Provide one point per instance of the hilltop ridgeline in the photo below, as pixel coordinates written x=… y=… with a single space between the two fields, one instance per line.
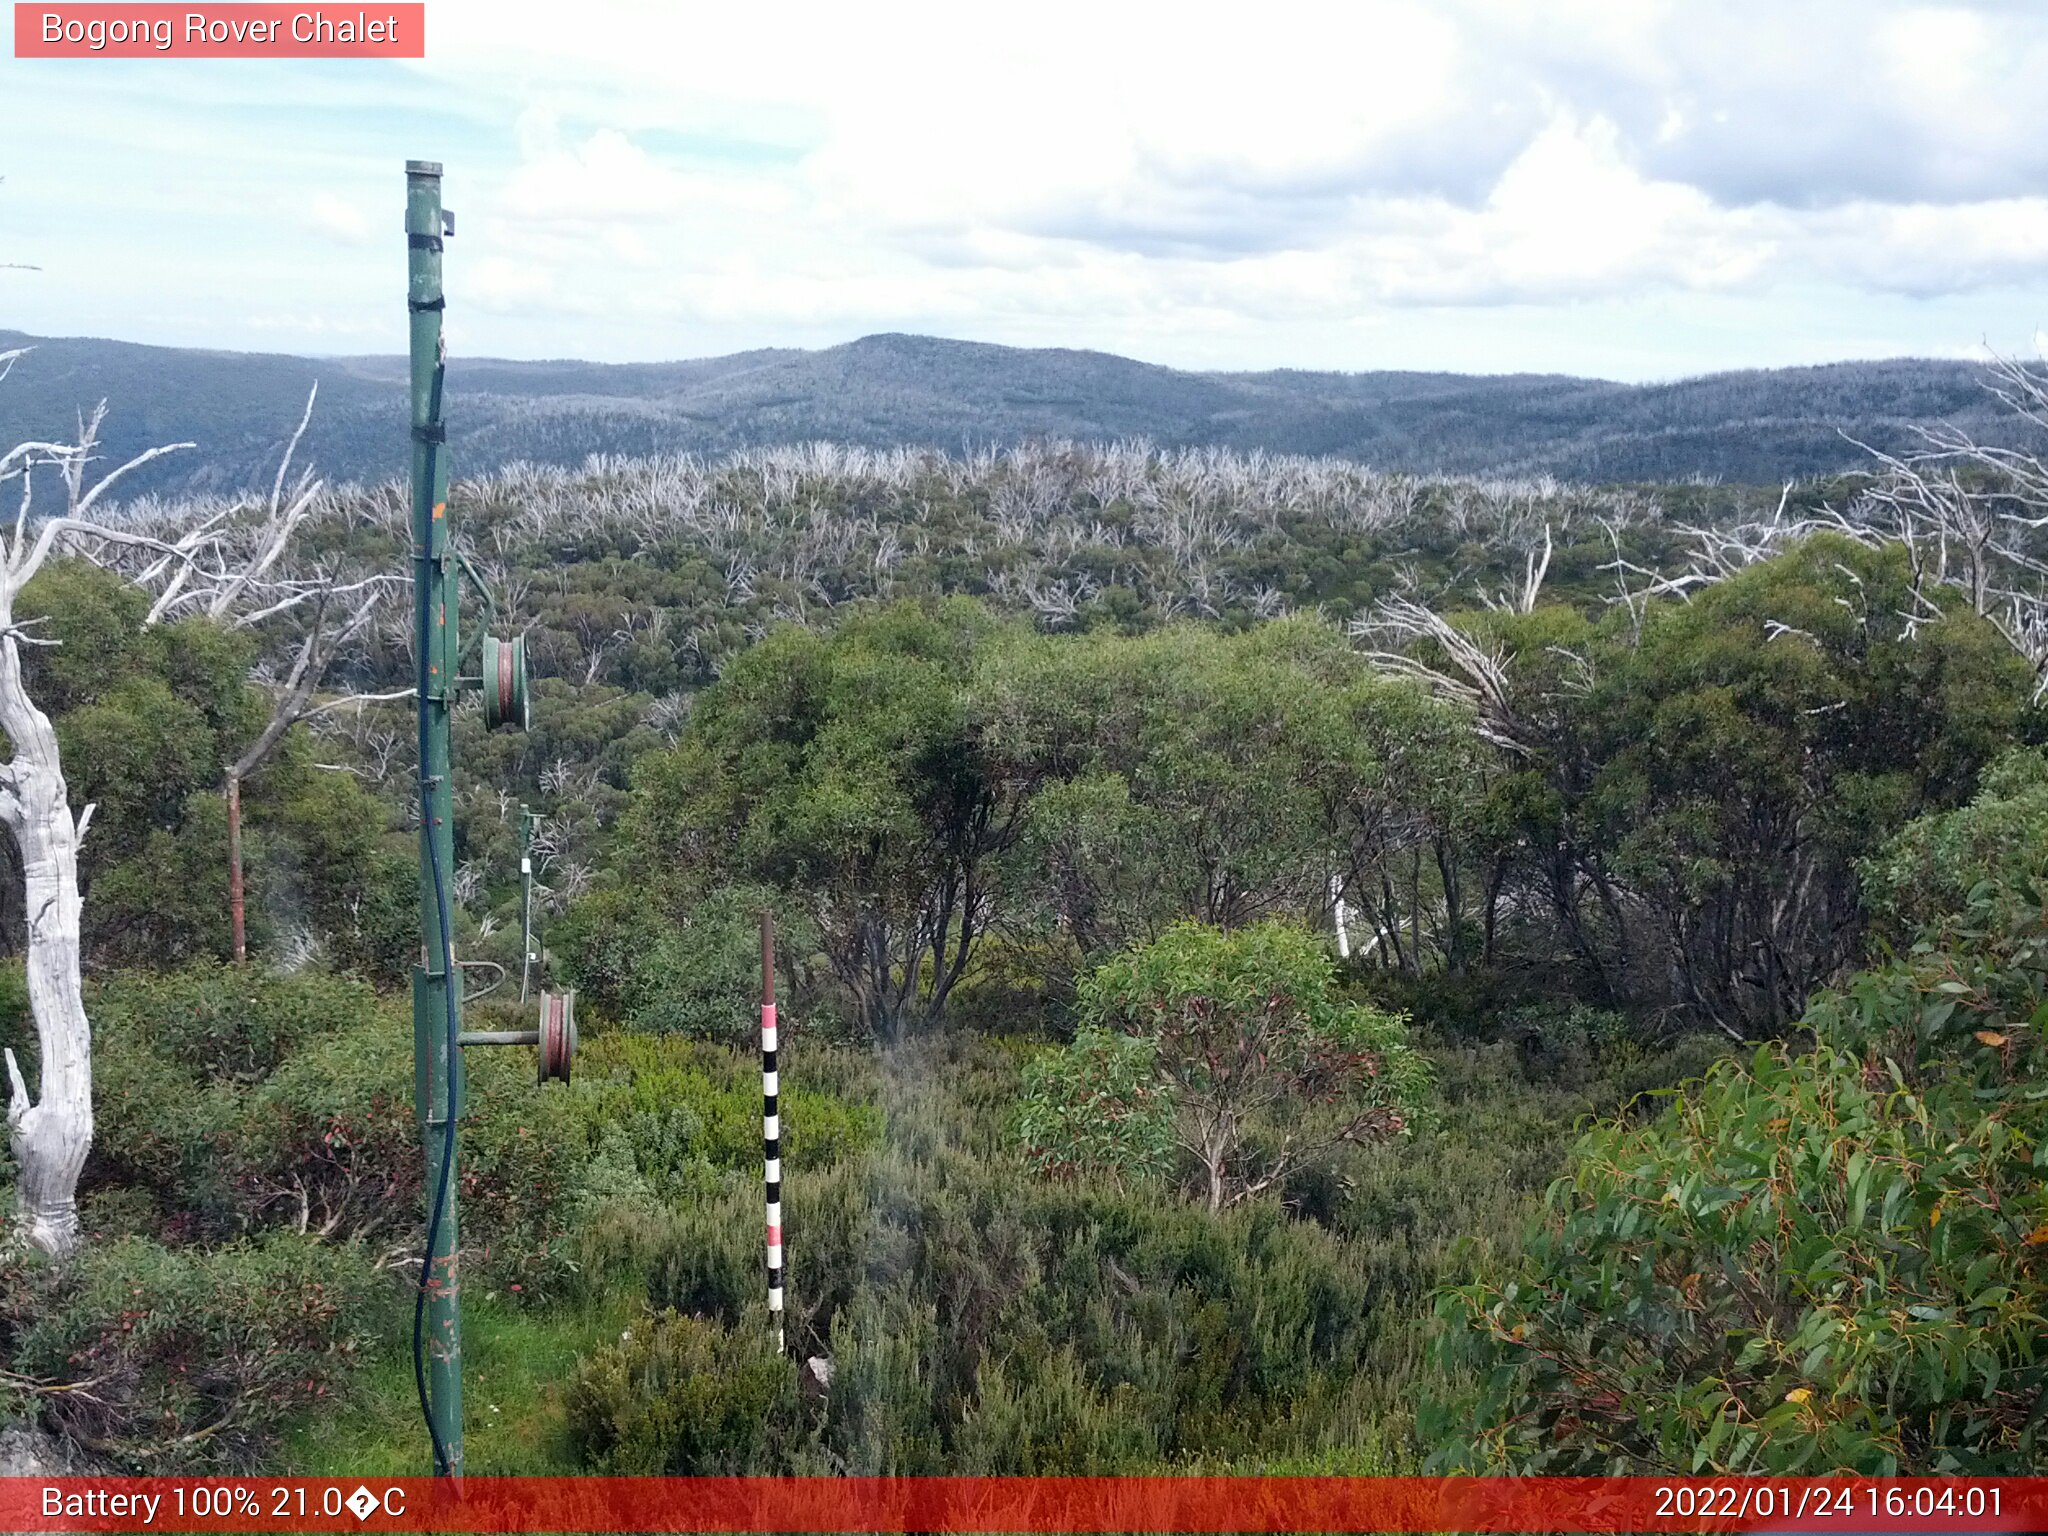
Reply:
x=1755 y=427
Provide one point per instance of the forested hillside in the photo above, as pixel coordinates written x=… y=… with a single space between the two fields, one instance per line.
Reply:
x=1284 y=966
x=890 y=391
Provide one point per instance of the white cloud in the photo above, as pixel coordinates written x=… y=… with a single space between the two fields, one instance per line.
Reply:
x=498 y=283
x=606 y=178
x=1928 y=249
x=337 y=219
x=1095 y=173
x=1571 y=218
x=1465 y=152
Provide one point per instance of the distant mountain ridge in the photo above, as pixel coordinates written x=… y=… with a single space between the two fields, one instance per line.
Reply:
x=1755 y=427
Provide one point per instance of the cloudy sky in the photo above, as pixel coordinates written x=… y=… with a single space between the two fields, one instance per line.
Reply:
x=1631 y=188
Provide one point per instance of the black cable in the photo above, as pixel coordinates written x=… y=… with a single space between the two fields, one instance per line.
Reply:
x=442 y=1464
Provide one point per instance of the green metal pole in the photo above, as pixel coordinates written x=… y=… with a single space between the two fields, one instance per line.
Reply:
x=436 y=990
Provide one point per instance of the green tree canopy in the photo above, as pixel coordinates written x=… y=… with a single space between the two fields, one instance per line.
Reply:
x=844 y=769
x=145 y=717
x=1702 y=776
x=1244 y=1049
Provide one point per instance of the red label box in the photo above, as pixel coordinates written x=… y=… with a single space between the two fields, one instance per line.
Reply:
x=373 y=30
x=1050 y=1506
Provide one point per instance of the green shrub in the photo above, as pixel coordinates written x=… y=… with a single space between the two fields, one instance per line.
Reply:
x=713 y=1262
x=17 y=1021
x=1818 y=1262
x=237 y=1102
x=601 y=940
x=117 y=1211
x=681 y=1103
x=1996 y=843
x=1052 y=1420
x=618 y=1228
x=523 y=1153
x=680 y=1396
x=375 y=931
x=672 y=1189
x=156 y=1128
x=696 y=972
x=176 y=1058
x=883 y=1418
x=222 y=1022
x=187 y=1359
x=981 y=1319
x=330 y=1142
x=1014 y=988
x=1564 y=1042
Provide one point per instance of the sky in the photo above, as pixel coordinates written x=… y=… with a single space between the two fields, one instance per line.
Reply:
x=1632 y=189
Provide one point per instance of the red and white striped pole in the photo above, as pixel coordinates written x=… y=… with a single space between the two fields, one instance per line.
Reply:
x=771 y=1125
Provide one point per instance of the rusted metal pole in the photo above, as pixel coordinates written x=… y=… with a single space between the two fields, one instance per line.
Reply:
x=771 y=1125
x=237 y=902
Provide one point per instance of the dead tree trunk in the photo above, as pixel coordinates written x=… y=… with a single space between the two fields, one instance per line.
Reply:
x=51 y=1130
x=50 y=1133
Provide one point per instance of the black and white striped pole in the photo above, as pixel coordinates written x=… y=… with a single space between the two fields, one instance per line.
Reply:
x=771 y=1126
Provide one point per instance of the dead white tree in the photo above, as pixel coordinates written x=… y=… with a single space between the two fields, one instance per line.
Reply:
x=255 y=591
x=207 y=564
x=1973 y=516
x=1428 y=648
x=51 y=1130
x=1522 y=599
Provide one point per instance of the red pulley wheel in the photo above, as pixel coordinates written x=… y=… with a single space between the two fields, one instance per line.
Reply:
x=504 y=682
x=557 y=1034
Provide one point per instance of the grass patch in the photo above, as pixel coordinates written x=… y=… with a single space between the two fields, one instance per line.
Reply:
x=516 y=1361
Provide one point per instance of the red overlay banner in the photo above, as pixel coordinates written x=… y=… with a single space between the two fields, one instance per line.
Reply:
x=1025 y=1504
x=377 y=30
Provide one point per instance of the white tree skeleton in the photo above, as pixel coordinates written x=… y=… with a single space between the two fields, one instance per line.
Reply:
x=50 y=1133
x=51 y=1130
